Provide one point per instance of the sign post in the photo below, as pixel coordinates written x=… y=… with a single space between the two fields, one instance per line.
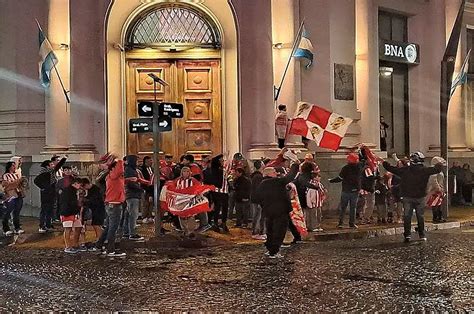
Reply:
x=156 y=158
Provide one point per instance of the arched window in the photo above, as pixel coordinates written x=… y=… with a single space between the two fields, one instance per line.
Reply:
x=173 y=26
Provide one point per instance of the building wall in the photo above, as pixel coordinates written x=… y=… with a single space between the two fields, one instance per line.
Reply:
x=22 y=102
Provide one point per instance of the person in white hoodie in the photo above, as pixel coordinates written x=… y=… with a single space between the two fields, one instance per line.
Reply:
x=436 y=192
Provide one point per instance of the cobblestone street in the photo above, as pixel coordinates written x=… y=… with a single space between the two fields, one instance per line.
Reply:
x=361 y=275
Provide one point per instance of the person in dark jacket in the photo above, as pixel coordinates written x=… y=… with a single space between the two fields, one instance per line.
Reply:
x=70 y=213
x=350 y=177
x=133 y=194
x=380 y=192
x=216 y=175
x=146 y=172
x=243 y=188
x=94 y=200
x=258 y=220
x=273 y=196
x=46 y=181
x=414 y=179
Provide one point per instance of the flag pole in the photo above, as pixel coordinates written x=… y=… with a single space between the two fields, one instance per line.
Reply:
x=56 y=69
x=62 y=85
x=295 y=44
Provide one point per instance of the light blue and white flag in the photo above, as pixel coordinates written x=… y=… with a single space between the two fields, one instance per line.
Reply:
x=461 y=78
x=305 y=48
x=48 y=58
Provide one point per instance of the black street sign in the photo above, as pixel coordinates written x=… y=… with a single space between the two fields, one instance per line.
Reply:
x=145 y=109
x=171 y=110
x=165 y=124
x=145 y=125
x=140 y=125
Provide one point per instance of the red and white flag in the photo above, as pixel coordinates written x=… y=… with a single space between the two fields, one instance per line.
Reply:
x=185 y=202
x=326 y=128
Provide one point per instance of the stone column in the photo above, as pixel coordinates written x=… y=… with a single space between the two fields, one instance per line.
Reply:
x=367 y=71
x=456 y=112
x=257 y=112
x=57 y=114
x=88 y=81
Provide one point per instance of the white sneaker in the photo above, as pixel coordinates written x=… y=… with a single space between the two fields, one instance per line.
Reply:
x=19 y=231
x=319 y=229
x=423 y=239
x=41 y=230
x=145 y=221
x=9 y=233
x=116 y=254
x=277 y=255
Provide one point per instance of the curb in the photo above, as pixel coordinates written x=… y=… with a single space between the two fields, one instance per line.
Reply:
x=365 y=234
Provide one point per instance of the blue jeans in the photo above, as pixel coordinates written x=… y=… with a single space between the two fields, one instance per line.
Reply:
x=417 y=204
x=348 y=198
x=112 y=222
x=133 y=207
x=13 y=208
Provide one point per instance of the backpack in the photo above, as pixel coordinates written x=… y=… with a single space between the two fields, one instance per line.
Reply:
x=43 y=180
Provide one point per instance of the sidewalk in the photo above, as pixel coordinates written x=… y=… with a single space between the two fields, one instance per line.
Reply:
x=459 y=217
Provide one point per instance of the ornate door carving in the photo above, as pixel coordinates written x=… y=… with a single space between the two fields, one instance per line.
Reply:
x=195 y=84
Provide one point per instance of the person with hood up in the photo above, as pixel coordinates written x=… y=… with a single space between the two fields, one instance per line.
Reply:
x=414 y=179
x=281 y=125
x=436 y=191
x=133 y=194
x=216 y=175
x=350 y=177
x=272 y=195
x=46 y=181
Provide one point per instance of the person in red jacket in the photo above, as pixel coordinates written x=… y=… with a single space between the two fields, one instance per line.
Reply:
x=114 y=199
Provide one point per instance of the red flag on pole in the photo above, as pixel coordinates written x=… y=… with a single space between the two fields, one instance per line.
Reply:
x=325 y=128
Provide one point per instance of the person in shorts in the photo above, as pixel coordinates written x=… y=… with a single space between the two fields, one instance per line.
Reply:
x=70 y=214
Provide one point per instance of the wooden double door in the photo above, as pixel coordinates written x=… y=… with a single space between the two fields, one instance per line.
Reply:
x=195 y=84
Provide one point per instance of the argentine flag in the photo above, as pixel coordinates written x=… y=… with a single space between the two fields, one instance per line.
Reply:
x=461 y=78
x=305 y=48
x=48 y=58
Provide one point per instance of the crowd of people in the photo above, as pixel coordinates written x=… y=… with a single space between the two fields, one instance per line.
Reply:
x=264 y=196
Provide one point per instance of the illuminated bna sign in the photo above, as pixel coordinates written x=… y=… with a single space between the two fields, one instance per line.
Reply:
x=399 y=52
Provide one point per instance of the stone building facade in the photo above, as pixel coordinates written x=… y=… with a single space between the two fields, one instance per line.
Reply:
x=222 y=63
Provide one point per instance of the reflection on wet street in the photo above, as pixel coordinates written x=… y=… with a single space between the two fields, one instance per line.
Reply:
x=362 y=275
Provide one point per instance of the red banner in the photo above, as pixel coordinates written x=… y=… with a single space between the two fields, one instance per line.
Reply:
x=185 y=202
x=296 y=214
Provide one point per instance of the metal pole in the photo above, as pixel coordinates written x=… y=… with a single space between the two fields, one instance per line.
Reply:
x=443 y=111
x=156 y=161
x=295 y=44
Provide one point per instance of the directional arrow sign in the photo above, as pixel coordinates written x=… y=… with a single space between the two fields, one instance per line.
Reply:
x=164 y=124
x=145 y=109
x=172 y=110
x=145 y=125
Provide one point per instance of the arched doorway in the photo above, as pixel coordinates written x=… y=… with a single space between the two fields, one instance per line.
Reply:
x=123 y=18
x=188 y=58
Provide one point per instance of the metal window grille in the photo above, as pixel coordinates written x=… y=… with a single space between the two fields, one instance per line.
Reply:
x=173 y=25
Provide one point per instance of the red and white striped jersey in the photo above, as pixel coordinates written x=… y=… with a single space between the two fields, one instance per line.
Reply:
x=225 y=181
x=185 y=183
x=10 y=177
x=315 y=198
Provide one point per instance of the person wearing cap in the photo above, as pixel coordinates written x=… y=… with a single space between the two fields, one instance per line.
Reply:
x=414 y=179
x=350 y=176
x=114 y=199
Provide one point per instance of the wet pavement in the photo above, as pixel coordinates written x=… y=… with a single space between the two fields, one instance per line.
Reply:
x=379 y=274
